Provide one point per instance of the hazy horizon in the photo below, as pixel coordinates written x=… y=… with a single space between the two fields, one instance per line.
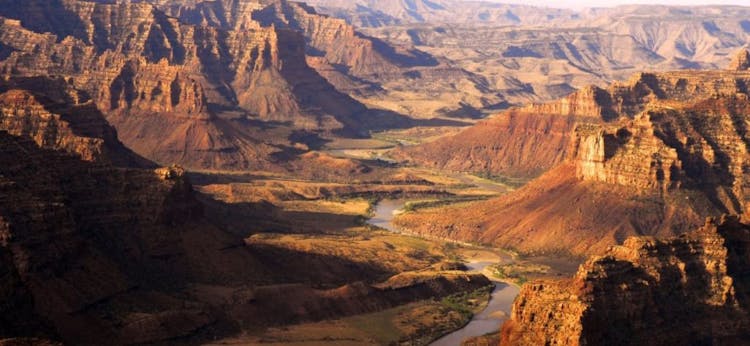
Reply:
x=580 y=4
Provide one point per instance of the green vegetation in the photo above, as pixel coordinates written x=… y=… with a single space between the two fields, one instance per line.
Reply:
x=467 y=303
x=379 y=324
x=394 y=138
x=518 y=272
x=513 y=183
x=373 y=203
x=433 y=203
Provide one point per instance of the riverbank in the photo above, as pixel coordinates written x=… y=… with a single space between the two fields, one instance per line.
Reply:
x=477 y=260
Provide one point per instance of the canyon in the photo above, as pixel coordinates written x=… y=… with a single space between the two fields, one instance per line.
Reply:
x=670 y=146
x=178 y=172
x=537 y=54
x=217 y=76
x=94 y=235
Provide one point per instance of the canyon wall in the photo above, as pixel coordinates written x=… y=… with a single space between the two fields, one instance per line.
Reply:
x=687 y=290
x=529 y=140
x=530 y=54
x=179 y=92
x=654 y=155
x=90 y=249
x=98 y=246
x=378 y=13
x=393 y=77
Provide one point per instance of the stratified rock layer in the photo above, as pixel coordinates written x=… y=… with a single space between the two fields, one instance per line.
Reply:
x=689 y=290
x=179 y=92
x=741 y=61
x=90 y=251
x=530 y=140
x=97 y=246
x=654 y=155
x=395 y=77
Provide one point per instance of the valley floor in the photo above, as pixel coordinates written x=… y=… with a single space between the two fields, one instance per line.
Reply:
x=340 y=233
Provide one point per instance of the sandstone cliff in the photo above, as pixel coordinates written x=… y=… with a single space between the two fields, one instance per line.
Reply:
x=376 y=13
x=528 y=141
x=90 y=250
x=58 y=117
x=537 y=54
x=651 y=156
x=741 y=61
x=393 y=77
x=98 y=247
x=179 y=92
x=687 y=290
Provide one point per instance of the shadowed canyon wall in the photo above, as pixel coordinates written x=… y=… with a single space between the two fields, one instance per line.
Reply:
x=687 y=290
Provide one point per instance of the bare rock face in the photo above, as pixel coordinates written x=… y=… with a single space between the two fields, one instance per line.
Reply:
x=99 y=247
x=654 y=156
x=530 y=140
x=685 y=290
x=58 y=117
x=673 y=145
x=365 y=13
x=364 y=67
x=628 y=156
x=741 y=61
x=179 y=91
x=92 y=250
x=515 y=143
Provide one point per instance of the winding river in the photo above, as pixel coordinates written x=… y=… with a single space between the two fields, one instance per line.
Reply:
x=501 y=300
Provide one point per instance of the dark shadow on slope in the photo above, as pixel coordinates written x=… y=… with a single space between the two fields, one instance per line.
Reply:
x=45 y=16
x=81 y=115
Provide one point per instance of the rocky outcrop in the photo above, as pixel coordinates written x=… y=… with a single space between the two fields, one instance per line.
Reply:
x=669 y=148
x=337 y=41
x=513 y=143
x=368 y=13
x=296 y=303
x=61 y=118
x=672 y=148
x=685 y=290
x=741 y=61
x=629 y=156
x=538 y=54
x=176 y=91
x=99 y=247
x=530 y=140
x=367 y=68
x=559 y=214
x=92 y=252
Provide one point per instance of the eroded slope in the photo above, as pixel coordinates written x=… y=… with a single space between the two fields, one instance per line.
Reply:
x=662 y=152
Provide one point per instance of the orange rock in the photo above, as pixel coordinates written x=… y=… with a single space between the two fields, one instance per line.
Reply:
x=674 y=291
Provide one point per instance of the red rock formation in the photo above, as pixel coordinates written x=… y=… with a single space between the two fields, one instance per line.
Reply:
x=515 y=143
x=90 y=249
x=664 y=152
x=296 y=303
x=178 y=92
x=361 y=66
x=94 y=251
x=559 y=214
x=741 y=61
x=61 y=118
x=530 y=140
x=686 y=290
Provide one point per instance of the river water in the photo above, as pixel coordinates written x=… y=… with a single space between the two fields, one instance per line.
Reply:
x=501 y=300
x=490 y=319
x=385 y=211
